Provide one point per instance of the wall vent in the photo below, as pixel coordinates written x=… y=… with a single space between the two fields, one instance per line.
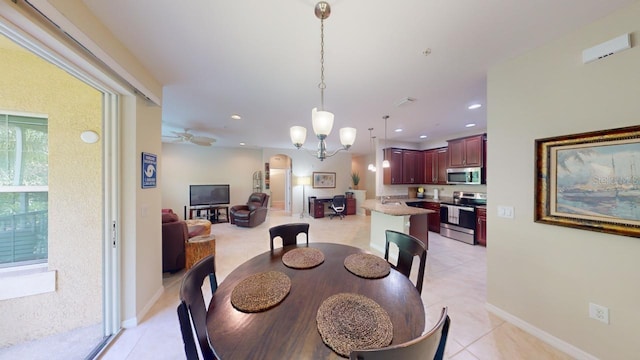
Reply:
x=607 y=48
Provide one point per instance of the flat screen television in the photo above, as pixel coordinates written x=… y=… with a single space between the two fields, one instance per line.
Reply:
x=200 y=195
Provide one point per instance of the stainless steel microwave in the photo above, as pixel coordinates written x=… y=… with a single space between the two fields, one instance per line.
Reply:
x=469 y=176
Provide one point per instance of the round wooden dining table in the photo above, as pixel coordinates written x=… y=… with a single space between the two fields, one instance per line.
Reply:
x=289 y=330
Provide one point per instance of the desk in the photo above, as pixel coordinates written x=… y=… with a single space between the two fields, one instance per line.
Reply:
x=317 y=206
x=289 y=330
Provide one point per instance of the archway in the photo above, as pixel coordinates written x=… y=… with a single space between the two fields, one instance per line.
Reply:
x=280 y=182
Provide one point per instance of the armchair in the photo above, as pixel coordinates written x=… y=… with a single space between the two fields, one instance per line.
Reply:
x=253 y=213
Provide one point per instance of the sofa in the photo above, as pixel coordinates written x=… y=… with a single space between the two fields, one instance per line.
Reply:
x=253 y=213
x=174 y=236
x=175 y=233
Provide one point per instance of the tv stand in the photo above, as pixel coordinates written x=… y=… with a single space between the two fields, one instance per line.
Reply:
x=214 y=213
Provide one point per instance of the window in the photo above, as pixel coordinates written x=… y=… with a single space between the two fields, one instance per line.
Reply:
x=24 y=166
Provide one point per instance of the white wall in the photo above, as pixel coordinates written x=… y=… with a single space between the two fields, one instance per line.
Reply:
x=182 y=165
x=141 y=236
x=546 y=275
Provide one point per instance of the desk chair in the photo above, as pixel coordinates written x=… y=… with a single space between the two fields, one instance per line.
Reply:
x=192 y=308
x=289 y=233
x=428 y=346
x=408 y=247
x=338 y=205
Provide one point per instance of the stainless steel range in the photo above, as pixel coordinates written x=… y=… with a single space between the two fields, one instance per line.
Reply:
x=458 y=218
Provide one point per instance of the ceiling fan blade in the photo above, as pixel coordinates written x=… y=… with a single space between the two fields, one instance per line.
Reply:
x=202 y=141
x=184 y=135
x=171 y=138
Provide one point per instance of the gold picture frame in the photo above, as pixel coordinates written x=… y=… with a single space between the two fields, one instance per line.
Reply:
x=590 y=181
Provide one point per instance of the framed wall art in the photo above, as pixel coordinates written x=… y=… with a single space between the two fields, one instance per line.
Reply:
x=324 y=180
x=590 y=181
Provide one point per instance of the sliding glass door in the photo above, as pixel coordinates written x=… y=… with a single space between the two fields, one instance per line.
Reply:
x=58 y=204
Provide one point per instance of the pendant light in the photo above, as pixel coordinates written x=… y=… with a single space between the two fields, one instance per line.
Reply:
x=385 y=162
x=371 y=166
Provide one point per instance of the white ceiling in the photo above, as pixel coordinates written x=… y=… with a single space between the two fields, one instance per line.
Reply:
x=261 y=59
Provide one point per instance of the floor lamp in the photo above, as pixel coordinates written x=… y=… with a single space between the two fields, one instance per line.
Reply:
x=304 y=181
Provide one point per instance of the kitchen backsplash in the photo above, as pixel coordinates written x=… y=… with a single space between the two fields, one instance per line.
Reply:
x=405 y=192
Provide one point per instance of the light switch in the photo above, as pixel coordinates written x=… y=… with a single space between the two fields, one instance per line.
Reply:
x=505 y=211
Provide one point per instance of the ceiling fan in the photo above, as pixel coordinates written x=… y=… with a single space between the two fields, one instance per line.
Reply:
x=187 y=137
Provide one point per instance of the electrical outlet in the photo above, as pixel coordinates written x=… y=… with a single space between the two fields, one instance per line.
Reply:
x=599 y=312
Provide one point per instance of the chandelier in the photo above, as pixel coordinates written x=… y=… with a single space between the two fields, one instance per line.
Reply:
x=322 y=120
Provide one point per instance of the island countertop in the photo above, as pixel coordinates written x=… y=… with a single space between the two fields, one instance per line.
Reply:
x=394 y=207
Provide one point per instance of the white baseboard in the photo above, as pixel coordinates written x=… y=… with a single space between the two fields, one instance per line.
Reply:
x=133 y=322
x=540 y=334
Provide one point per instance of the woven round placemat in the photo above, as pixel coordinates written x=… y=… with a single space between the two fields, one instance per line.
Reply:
x=367 y=266
x=303 y=258
x=261 y=291
x=348 y=322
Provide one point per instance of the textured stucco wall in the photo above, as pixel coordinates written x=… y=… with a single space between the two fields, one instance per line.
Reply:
x=29 y=84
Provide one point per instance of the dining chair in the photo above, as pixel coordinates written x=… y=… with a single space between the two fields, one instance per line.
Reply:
x=408 y=248
x=338 y=205
x=192 y=309
x=428 y=346
x=289 y=233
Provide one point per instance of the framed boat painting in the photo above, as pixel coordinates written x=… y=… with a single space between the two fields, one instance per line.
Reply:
x=590 y=181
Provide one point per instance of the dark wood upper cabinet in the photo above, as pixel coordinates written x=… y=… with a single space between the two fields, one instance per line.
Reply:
x=412 y=166
x=466 y=152
x=393 y=174
x=407 y=166
x=430 y=170
x=435 y=166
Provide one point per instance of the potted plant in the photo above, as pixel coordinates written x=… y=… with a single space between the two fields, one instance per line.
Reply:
x=355 y=177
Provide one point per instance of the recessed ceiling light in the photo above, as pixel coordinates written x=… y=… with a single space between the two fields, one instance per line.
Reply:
x=398 y=130
x=423 y=136
x=242 y=144
x=474 y=106
x=236 y=117
x=470 y=125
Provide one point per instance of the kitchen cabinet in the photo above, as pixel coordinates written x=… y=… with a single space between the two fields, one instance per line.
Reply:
x=412 y=167
x=481 y=226
x=393 y=174
x=406 y=166
x=434 y=218
x=466 y=152
x=435 y=166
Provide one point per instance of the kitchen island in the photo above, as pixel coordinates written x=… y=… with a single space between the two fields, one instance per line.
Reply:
x=396 y=215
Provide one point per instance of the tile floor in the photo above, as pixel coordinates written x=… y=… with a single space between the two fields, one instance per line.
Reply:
x=455 y=277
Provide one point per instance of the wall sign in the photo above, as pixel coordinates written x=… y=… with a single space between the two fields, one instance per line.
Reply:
x=149 y=170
